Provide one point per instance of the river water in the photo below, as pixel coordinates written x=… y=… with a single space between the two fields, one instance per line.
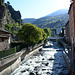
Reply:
x=48 y=61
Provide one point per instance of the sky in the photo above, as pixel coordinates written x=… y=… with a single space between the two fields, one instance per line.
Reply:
x=38 y=8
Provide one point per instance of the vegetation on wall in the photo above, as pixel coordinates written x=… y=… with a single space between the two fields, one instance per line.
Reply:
x=13 y=28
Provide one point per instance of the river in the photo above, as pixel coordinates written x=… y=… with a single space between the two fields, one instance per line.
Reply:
x=48 y=61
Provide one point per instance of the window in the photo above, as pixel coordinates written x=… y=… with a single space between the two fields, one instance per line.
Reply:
x=2 y=39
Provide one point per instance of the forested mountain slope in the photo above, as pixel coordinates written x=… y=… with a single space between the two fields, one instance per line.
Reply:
x=29 y=20
x=52 y=21
x=55 y=19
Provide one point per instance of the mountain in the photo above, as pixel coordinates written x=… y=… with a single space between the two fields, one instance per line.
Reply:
x=13 y=15
x=29 y=20
x=52 y=21
x=55 y=19
x=59 y=12
x=8 y=15
x=2 y=14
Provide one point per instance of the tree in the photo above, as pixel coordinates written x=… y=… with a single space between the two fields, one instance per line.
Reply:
x=8 y=2
x=47 y=31
x=8 y=27
x=31 y=34
x=12 y=27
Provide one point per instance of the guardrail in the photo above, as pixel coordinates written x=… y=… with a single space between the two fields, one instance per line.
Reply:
x=5 y=53
x=11 y=51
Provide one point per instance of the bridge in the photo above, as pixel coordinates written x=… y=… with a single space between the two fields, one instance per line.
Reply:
x=55 y=38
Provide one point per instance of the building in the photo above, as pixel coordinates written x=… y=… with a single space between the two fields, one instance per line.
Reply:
x=2 y=14
x=71 y=13
x=58 y=30
x=4 y=39
x=53 y=34
x=72 y=21
x=67 y=31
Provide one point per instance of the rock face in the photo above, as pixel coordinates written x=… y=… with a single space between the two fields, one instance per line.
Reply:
x=2 y=14
x=15 y=15
x=1 y=1
x=8 y=15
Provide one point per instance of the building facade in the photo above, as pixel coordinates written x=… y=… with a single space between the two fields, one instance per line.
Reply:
x=72 y=33
x=4 y=40
x=72 y=21
x=53 y=34
x=67 y=31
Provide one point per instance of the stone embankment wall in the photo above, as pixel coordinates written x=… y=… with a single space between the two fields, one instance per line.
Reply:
x=67 y=55
x=10 y=63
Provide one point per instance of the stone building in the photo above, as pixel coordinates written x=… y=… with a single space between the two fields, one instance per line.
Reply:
x=4 y=39
x=67 y=31
x=72 y=21
x=72 y=34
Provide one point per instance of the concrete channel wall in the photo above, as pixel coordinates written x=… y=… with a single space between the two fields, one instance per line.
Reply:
x=10 y=63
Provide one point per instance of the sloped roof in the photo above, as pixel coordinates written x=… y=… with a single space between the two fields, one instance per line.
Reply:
x=4 y=31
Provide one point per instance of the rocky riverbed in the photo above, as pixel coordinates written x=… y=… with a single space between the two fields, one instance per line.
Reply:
x=48 y=61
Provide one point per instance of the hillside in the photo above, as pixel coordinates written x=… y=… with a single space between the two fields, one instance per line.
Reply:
x=29 y=20
x=2 y=14
x=52 y=21
x=58 y=12
x=55 y=19
x=12 y=15
x=8 y=15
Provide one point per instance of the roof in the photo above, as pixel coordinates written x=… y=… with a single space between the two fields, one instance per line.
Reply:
x=4 y=31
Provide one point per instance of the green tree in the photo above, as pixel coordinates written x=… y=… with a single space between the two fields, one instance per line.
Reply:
x=31 y=34
x=8 y=27
x=13 y=28
x=8 y=2
x=47 y=31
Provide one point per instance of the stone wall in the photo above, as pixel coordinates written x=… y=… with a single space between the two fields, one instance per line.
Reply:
x=12 y=62
x=71 y=18
x=67 y=31
x=4 y=44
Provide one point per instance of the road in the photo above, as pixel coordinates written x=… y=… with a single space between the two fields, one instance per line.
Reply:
x=48 y=61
